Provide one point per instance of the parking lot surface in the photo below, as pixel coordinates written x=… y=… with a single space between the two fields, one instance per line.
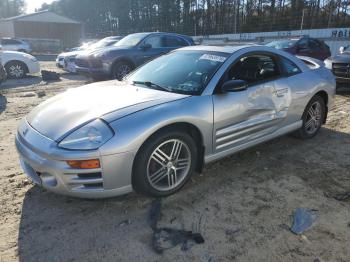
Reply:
x=242 y=205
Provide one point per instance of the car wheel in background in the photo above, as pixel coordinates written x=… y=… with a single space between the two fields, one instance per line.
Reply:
x=313 y=118
x=164 y=163
x=16 y=69
x=121 y=69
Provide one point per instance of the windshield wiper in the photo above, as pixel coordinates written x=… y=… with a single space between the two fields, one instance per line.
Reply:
x=151 y=84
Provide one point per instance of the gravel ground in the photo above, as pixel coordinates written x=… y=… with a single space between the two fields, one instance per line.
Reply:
x=242 y=205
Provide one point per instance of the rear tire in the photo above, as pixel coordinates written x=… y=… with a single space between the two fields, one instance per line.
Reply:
x=16 y=69
x=121 y=69
x=313 y=117
x=165 y=163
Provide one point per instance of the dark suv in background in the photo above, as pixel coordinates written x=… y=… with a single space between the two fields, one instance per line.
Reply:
x=305 y=46
x=132 y=51
x=340 y=65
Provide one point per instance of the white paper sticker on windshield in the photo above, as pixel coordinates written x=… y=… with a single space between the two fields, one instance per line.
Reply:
x=214 y=58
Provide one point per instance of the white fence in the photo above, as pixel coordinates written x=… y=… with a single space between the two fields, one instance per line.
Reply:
x=334 y=37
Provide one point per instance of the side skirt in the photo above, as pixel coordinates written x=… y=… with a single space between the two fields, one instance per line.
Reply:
x=282 y=131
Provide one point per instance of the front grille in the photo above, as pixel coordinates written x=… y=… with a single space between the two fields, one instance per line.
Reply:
x=85 y=181
x=341 y=69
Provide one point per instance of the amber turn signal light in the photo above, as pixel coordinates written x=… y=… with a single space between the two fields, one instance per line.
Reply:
x=84 y=164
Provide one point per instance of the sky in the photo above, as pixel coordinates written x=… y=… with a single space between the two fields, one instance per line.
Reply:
x=32 y=4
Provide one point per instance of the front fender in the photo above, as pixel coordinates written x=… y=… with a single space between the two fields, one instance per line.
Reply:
x=133 y=130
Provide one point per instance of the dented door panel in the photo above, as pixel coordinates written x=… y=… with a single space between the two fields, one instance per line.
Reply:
x=240 y=117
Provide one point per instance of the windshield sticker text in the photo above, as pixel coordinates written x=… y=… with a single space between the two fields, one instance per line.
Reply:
x=215 y=58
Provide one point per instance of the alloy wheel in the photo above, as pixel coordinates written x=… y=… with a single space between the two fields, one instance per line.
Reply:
x=122 y=71
x=16 y=71
x=168 y=165
x=313 y=118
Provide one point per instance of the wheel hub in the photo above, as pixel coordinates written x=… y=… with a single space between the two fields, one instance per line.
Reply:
x=168 y=165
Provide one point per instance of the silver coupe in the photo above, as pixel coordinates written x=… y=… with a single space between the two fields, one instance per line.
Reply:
x=169 y=117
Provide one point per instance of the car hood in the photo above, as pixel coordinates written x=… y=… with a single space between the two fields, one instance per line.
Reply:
x=341 y=58
x=72 y=53
x=107 y=100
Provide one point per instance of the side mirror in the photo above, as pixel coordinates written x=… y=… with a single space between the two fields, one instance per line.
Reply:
x=342 y=49
x=146 y=47
x=234 y=86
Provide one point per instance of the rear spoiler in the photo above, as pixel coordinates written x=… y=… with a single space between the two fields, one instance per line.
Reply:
x=311 y=62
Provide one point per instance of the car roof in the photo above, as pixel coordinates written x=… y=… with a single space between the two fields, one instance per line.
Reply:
x=154 y=33
x=222 y=49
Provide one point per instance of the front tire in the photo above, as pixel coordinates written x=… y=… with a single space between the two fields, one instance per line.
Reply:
x=16 y=70
x=313 y=117
x=165 y=163
x=120 y=70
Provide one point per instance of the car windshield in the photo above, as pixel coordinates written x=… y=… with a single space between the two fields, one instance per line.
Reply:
x=282 y=44
x=131 y=40
x=102 y=43
x=185 y=72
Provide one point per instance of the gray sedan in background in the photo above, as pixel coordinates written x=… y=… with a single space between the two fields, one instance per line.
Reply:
x=169 y=117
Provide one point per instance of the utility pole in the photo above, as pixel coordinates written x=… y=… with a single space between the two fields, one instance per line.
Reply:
x=302 y=22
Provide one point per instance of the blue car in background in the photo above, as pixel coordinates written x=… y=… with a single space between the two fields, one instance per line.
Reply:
x=132 y=51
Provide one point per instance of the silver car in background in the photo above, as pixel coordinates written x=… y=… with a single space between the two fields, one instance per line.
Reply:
x=168 y=118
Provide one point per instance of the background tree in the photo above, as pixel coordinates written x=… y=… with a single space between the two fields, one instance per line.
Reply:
x=10 y=8
x=204 y=17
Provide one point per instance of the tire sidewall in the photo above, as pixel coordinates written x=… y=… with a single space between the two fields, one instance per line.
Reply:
x=140 y=181
x=117 y=66
x=319 y=99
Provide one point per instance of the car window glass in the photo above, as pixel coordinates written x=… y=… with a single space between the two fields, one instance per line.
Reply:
x=254 y=68
x=155 y=41
x=315 y=45
x=289 y=67
x=303 y=43
x=185 y=72
x=173 y=41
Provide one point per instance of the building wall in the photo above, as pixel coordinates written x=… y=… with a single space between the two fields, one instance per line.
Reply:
x=68 y=34
x=6 y=29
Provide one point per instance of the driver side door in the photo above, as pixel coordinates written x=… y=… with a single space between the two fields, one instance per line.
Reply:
x=243 y=116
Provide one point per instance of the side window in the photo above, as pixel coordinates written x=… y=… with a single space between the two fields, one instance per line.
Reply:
x=303 y=43
x=254 y=68
x=289 y=67
x=173 y=41
x=155 y=41
x=315 y=45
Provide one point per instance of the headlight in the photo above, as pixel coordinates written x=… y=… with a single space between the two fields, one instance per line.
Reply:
x=328 y=64
x=89 y=137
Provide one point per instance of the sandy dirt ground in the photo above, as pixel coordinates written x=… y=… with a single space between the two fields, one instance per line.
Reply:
x=242 y=205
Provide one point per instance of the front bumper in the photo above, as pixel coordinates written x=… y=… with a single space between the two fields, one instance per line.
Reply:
x=44 y=163
x=93 y=72
x=34 y=67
